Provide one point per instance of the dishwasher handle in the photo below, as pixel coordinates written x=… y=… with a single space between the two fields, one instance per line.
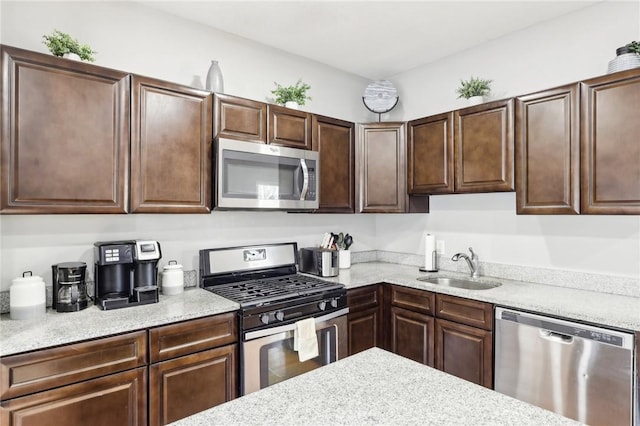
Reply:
x=556 y=337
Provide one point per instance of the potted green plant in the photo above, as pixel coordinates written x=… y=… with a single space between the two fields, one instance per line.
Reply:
x=474 y=90
x=62 y=44
x=291 y=96
x=627 y=57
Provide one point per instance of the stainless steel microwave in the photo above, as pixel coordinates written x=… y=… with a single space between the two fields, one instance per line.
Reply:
x=260 y=176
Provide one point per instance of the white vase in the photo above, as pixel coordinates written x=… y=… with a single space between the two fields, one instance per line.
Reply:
x=475 y=100
x=215 y=83
x=292 y=105
x=73 y=56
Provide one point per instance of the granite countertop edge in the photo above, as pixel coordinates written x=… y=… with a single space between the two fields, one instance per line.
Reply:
x=55 y=329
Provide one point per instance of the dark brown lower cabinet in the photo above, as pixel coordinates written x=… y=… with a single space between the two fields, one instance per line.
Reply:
x=117 y=399
x=412 y=335
x=465 y=352
x=187 y=385
x=450 y=333
x=365 y=318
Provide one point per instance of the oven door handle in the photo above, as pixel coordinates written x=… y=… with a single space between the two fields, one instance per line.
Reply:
x=290 y=327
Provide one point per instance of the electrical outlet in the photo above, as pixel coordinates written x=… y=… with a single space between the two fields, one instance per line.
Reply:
x=440 y=247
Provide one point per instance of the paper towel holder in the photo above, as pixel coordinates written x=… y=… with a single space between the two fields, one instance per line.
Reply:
x=434 y=263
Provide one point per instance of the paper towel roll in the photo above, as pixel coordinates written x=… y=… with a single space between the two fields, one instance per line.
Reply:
x=429 y=248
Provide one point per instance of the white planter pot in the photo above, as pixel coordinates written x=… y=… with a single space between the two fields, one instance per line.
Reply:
x=623 y=62
x=475 y=100
x=292 y=105
x=73 y=56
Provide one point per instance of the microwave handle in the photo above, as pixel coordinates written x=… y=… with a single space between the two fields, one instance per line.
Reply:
x=305 y=179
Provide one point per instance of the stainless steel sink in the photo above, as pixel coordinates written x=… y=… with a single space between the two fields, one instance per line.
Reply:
x=461 y=283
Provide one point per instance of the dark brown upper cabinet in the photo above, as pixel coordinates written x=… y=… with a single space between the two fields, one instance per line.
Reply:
x=238 y=118
x=483 y=147
x=289 y=127
x=171 y=128
x=65 y=135
x=335 y=142
x=381 y=168
x=430 y=155
x=610 y=144
x=381 y=171
x=548 y=151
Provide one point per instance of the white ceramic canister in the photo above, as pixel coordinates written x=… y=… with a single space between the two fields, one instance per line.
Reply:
x=172 y=278
x=27 y=297
x=344 y=259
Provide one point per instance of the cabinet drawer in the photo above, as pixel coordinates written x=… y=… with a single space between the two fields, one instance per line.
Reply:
x=413 y=299
x=465 y=311
x=363 y=298
x=187 y=337
x=49 y=368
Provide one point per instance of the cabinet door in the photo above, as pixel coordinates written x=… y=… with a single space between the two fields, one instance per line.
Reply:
x=365 y=318
x=412 y=335
x=548 y=152
x=238 y=118
x=65 y=135
x=364 y=330
x=289 y=127
x=483 y=147
x=118 y=399
x=381 y=168
x=334 y=140
x=430 y=155
x=465 y=352
x=610 y=131
x=184 y=386
x=170 y=148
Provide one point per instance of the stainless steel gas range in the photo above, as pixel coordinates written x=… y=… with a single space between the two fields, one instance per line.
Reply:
x=274 y=298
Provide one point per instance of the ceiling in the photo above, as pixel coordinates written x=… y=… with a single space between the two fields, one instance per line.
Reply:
x=372 y=39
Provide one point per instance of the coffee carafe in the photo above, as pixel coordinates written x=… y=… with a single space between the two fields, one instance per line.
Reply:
x=69 y=286
x=126 y=273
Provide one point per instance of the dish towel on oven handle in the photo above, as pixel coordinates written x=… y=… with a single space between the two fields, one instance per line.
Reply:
x=305 y=340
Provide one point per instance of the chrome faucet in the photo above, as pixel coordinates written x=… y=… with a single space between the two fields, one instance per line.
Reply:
x=471 y=261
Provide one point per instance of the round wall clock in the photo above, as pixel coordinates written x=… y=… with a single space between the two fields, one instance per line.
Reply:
x=380 y=97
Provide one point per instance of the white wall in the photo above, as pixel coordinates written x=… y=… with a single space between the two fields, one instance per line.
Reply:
x=572 y=48
x=135 y=38
x=154 y=44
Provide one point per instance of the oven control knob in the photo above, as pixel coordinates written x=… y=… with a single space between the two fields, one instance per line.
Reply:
x=322 y=305
x=280 y=316
x=264 y=318
x=334 y=303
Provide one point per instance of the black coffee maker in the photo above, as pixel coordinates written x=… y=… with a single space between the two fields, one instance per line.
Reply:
x=126 y=273
x=69 y=286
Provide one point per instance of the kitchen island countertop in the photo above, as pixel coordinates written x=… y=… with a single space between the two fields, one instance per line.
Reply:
x=371 y=388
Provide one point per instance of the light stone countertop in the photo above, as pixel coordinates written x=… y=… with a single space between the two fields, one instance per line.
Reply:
x=371 y=388
x=56 y=328
x=62 y=328
x=588 y=306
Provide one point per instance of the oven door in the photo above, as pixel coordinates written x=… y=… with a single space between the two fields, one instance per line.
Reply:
x=268 y=356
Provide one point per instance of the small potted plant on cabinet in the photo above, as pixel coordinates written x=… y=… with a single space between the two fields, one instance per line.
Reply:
x=627 y=57
x=62 y=44
x=474 y=90
x=291 y=96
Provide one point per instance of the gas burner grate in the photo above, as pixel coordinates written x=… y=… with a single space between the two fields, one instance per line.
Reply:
x=262 y=291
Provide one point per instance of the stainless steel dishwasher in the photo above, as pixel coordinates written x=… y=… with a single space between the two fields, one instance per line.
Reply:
x=579 y=371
